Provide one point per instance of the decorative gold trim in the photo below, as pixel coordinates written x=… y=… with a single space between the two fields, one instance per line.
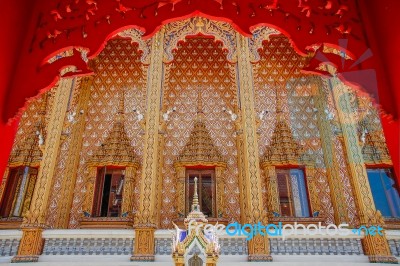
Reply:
x=220 y=30
x=250 y=180
x=147 y=216
x=336 y=188
x=375 y=246
x=144 y=245
x=129 y=187
x=4 y=182
x=31 y=245
x=71 y=168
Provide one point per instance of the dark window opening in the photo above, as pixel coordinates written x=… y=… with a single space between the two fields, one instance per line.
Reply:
x=108 y=192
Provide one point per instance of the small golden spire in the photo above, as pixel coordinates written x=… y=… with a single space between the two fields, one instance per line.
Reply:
x=195 y=205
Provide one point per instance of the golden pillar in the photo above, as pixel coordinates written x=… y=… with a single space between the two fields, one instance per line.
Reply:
x=35 y=220
x=71 y=168
x=4 y=181
x=250 y=165
x=146 y=219
x=180 y=190
x=376 y=247
x=271 y=185
x=129 y=188
x=220 y=191
x=89 y=187
x=331 y=163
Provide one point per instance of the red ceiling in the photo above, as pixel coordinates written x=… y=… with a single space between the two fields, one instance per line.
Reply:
x=35 y=30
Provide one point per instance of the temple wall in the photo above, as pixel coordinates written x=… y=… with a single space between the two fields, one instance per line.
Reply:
x=200 y=64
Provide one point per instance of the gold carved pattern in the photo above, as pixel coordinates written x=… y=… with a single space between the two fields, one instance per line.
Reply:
x=183 y=83
x=178 y=30
x=200 y=147
x=220 y=190
x=260 y=34
x=343 y=98
x=277 y=75
x=312 y=186
x=370 y=133
x=283 y=149
x=258 y=246
x=115 y=150
x=270 y=194
x=159 y=196
x=29 y=191
x=89 y=189
x=4 y=181
x=336 y=186
x=180 y=190
x=376 y=248
x=68 y=161
x=35 y=219
x=144 y=45
x=118 y=68
x=31 y=245
x=252 y=179
x=144 y=244
x=147 y=215
x=128 y=196
x=41 y=197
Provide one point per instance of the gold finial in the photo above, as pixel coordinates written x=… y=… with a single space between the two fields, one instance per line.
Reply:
x=195 y=205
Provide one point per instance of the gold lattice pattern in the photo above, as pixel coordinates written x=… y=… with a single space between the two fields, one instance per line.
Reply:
x=217 y=88
x=200 y=147
x=118 y=71
x=277 y=76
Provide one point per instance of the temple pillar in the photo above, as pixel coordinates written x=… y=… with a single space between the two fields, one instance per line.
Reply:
x=35 y=220
x=71 y=167
x=331 y=163
x=376 y=247
x=146 y=219
x=250 y=164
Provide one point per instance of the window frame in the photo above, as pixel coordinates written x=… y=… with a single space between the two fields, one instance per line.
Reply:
x=188 y=198
x=306 y=189
x=98 y=198
x=395 y=186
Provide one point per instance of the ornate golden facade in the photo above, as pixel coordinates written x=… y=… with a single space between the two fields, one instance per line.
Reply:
x=140 y=110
